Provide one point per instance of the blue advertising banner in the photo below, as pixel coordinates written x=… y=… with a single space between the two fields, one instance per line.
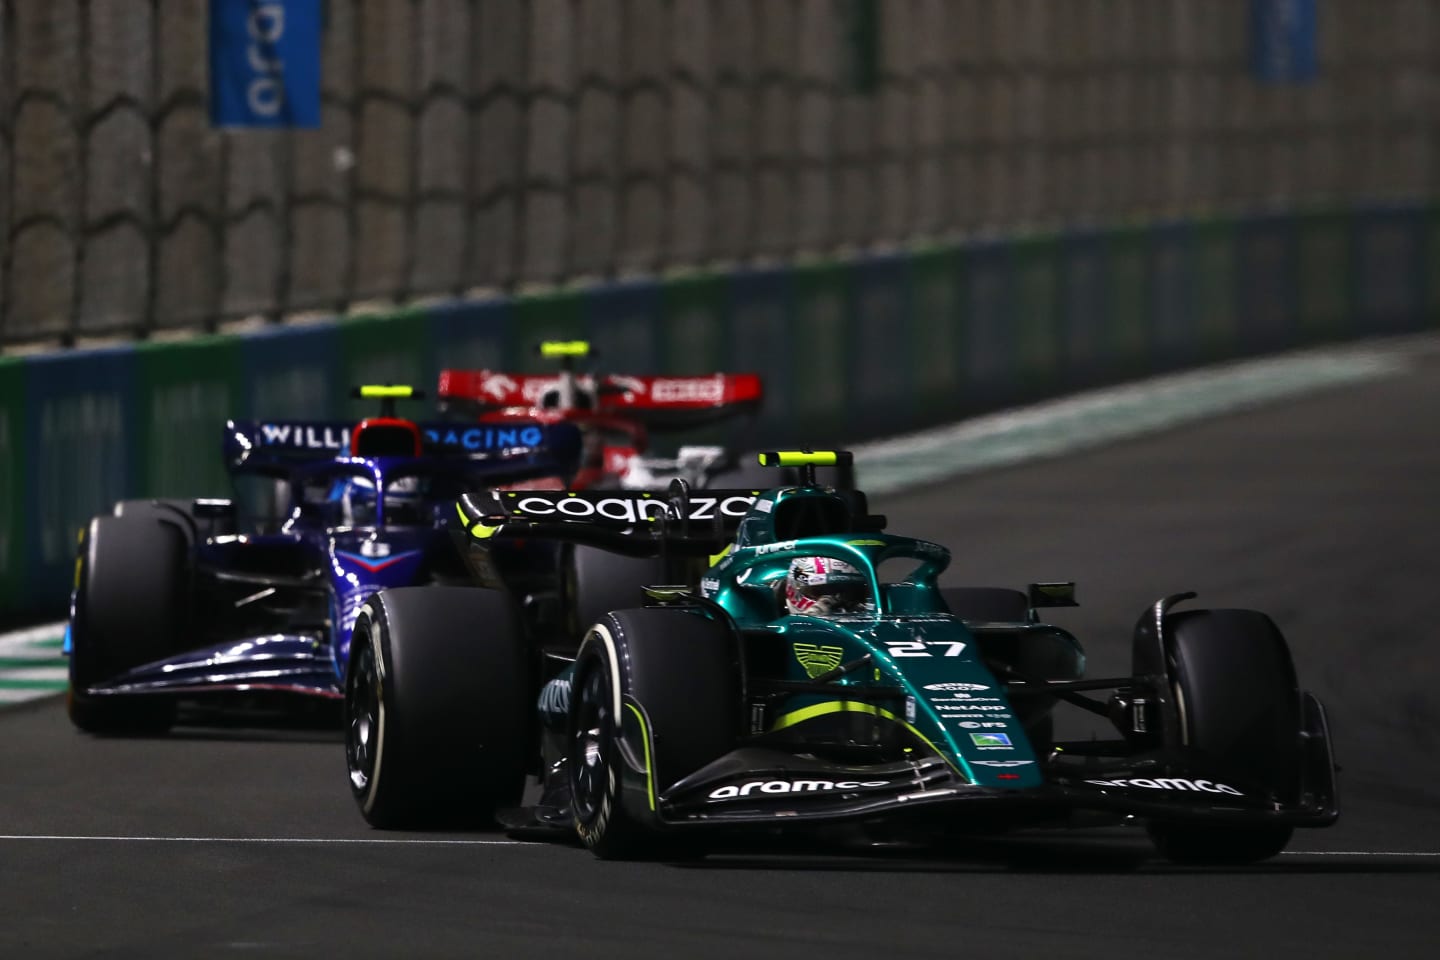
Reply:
x=882 y=368
x=623 y=320
x=759 y=331
x=1284 y=40
x=1172 y=329
x=989 y=310
x=1266 y=283
x=80 y=411
x=471 y=335
x=292 y=372
x=265 y=63
x=1389 y=266
x=1082 y=312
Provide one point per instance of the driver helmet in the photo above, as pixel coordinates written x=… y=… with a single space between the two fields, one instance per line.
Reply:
x=356 y=495
x=823 y=586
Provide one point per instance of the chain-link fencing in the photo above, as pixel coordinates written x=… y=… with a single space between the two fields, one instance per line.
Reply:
x=498 y=144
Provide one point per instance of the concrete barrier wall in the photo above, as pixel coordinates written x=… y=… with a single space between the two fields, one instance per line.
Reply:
x=849 y=349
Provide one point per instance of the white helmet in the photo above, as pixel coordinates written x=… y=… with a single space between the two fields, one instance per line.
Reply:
x=822 y=586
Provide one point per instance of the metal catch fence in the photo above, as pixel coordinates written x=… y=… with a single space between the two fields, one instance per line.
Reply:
x=502 y=143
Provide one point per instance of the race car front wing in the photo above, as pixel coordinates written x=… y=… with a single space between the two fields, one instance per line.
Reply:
x=760 y=785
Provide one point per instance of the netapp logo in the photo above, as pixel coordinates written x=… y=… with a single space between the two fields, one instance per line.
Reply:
x=1203 y=786
x=791 y=786
x=952 y=687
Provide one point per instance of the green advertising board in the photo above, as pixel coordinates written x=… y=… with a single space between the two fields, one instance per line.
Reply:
x=821 y=389
x=937 y=324
x=1036 y=259
x=552 y=315
x=384 y=348
x=184 y=393
x=1325 y=296
x=1127 y=291
x=692 y=337
x=1431 y=266
x=12 y=481
x=1215 y=288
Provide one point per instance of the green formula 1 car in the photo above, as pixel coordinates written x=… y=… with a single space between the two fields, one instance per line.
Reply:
x=809 y=670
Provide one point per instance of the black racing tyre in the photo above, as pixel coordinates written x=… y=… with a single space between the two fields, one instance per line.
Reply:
x=438 y=696
x=987 y=604
x=1219 y=845
x=132 y=607
x=1239 y=703
x=679 y=680
x=598 y=581
x=177 y=511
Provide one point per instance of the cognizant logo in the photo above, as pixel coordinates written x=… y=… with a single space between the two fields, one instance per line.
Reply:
x=630 y=510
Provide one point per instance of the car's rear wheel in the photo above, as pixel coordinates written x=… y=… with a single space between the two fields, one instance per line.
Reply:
x=666 y=684
x=438 y=695
x=132 y=607
x=179 y=512
x=598 y=581
x=1239 y=705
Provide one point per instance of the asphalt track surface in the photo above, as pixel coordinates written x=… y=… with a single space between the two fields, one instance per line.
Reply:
x=1322 y=511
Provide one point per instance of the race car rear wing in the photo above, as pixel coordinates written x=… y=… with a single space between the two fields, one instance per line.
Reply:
x=637 y=523
x=257 y=443
x=657 y=402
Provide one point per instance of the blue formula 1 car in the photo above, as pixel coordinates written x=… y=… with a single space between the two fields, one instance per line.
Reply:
x=814 y=673
x=224 y=600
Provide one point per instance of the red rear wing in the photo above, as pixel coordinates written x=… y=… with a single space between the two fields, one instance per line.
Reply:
x=656 y=401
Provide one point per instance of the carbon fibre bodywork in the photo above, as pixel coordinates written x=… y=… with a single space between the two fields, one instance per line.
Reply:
x=267 y=597
x=905 y=715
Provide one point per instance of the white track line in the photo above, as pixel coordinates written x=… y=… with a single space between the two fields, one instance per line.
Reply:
x=338 y=840
x=1360 y=853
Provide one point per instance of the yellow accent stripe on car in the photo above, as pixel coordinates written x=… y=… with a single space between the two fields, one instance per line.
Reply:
x=798 y=458
x=855 y=706
x=475 y=528
x=717 y=557
x=565 y=348
x=375 y=391
x=649 y=768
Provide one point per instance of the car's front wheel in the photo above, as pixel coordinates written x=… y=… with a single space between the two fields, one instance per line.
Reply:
x=1239 y=705
x=438 y=695
x=655 y=688
x=132 y=607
